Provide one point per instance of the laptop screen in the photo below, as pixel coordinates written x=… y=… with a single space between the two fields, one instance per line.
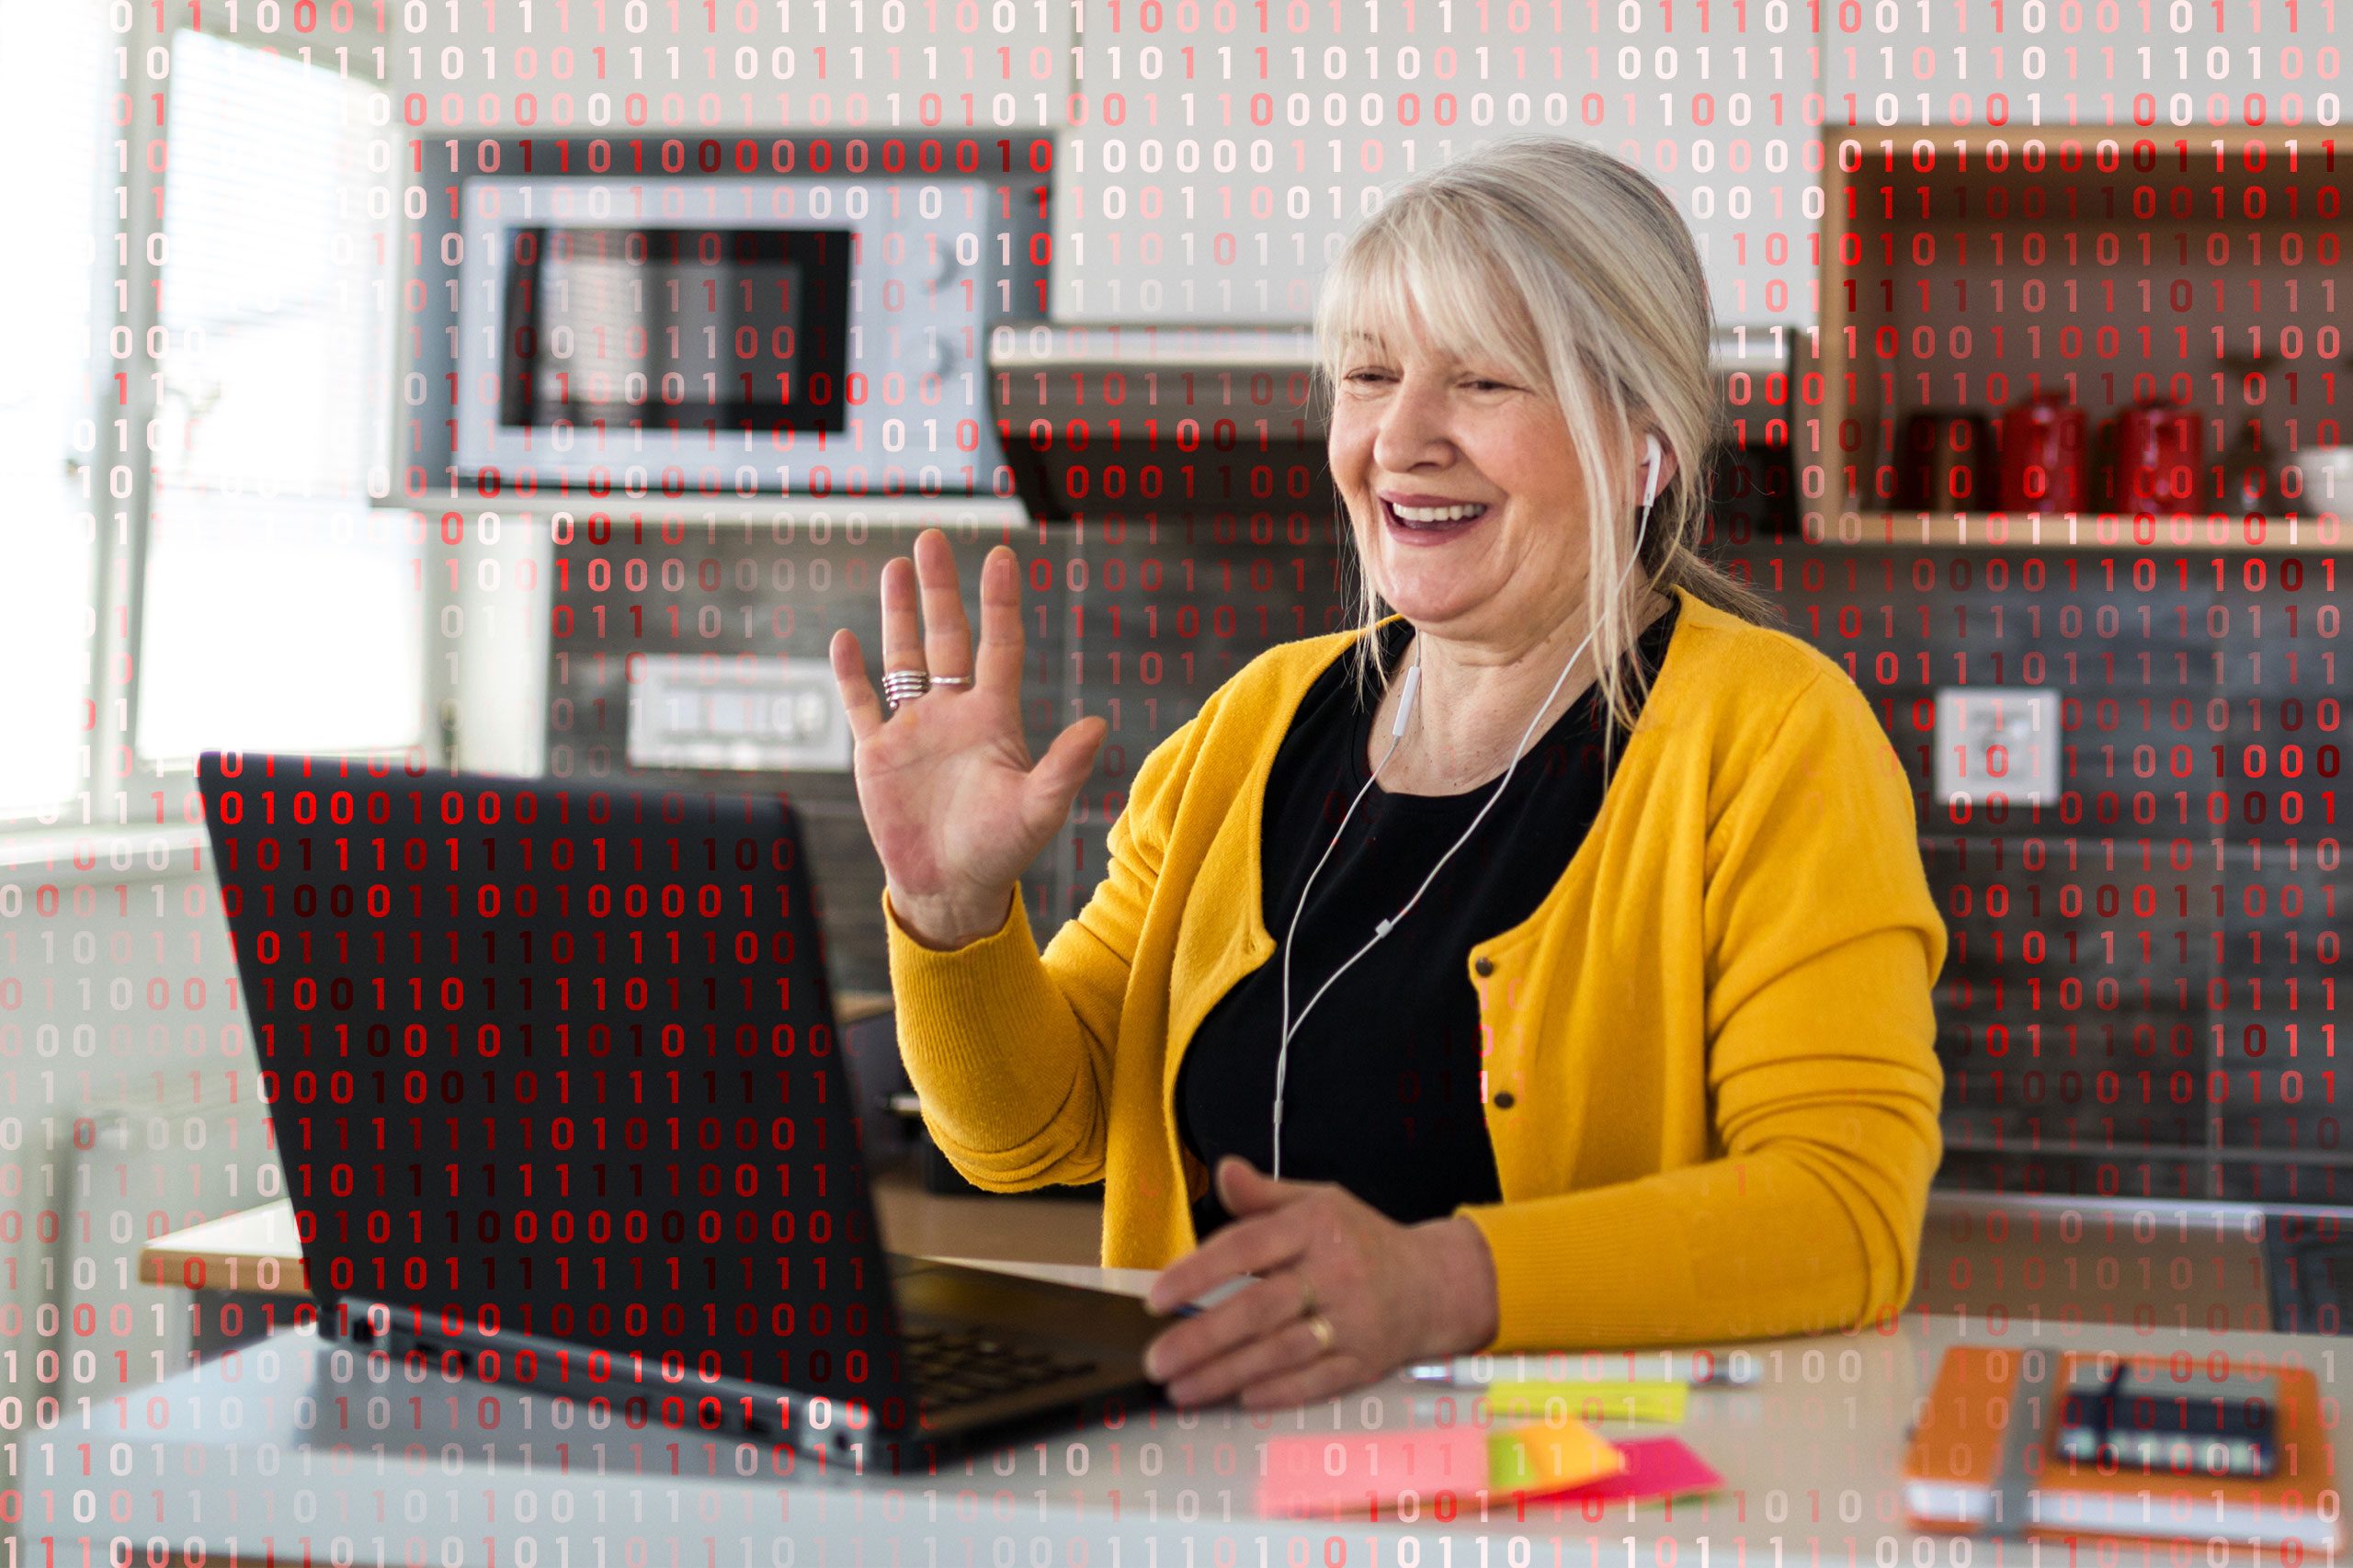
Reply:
x=557 y=1061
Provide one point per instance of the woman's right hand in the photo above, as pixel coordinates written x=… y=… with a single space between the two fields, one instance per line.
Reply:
x=954 y=803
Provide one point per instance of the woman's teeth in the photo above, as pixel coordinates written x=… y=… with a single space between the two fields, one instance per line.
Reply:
x=1426 y=515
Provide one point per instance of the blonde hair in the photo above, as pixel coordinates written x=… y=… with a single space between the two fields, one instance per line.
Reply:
x=1572 y=270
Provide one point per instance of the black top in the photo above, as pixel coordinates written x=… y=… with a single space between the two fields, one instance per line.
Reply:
x=1383 y=1090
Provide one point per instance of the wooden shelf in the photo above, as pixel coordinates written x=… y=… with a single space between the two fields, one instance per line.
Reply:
x=1950 y=283
x=1961 y=162
x=2080 y=530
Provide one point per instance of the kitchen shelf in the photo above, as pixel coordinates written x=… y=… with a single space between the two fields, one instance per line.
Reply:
x=2291 y=534
x=1949 y=284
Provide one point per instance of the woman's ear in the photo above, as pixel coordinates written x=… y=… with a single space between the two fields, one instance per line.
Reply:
x=1666 y=467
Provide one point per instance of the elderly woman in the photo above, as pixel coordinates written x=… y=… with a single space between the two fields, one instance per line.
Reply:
x=1545 y=964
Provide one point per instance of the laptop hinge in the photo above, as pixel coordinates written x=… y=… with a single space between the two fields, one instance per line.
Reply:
x=683 y=1400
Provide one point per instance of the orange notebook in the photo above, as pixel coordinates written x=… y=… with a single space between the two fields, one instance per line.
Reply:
x=1952 y=1471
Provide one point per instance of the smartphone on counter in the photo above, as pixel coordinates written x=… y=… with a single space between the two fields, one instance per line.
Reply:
x=2200 y=1427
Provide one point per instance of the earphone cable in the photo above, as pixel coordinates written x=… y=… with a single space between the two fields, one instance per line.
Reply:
x=1282 y=1056
x=1289 y=1026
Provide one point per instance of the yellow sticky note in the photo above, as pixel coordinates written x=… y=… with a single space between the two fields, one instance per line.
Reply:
x=1657 y=1401
x=1539 y=1459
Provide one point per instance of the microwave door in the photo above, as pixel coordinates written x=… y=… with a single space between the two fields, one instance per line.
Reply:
x=576 y=342
x=596 y=306
x=746 y=338
x=694 y=333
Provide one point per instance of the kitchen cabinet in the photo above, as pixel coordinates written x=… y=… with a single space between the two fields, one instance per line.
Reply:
x=1219 y=150
x=683 y=67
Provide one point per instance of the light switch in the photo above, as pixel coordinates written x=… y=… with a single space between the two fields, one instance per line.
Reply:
x=758 y=716
x=1997 y=740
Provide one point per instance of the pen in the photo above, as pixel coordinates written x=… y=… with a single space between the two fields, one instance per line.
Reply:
x=1702 y=1369
x=1474 y=1411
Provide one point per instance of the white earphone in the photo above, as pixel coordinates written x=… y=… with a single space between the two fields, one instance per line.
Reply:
x=1654 y=457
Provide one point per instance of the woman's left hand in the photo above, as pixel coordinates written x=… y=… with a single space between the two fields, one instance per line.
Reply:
x=1344 y=1294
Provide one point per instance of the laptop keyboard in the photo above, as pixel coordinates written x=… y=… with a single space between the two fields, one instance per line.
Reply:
x=951 y=1367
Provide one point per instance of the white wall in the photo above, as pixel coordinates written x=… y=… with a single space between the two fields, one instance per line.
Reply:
x=2049 y=64
x=128 y=1105
x=1308 y=118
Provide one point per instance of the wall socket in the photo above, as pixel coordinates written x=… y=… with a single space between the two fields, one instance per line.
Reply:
x=720 y=713
x=1997 y=740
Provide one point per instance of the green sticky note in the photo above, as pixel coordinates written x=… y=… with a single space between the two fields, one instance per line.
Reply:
x=1655 y=1402
x=1545 y=1458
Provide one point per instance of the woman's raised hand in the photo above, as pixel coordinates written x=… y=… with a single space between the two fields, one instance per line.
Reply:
x=955 y=807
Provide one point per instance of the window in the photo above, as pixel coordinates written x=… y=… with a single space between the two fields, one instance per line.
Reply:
x=52 y=379
x=280 y=613
x=196 y=421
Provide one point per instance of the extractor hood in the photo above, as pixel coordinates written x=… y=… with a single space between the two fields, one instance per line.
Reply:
x=1141 y=419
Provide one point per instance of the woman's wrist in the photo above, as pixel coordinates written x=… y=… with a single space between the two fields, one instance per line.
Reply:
x=946 y=924
x=1461 y=1271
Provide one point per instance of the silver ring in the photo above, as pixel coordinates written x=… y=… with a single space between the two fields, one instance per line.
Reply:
x=905 y=685
x=951 y=680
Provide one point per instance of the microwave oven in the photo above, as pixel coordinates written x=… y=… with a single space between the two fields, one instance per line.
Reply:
x=736 y=337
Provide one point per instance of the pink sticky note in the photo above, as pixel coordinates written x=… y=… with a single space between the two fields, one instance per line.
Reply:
x=1317 y=1474
x=1360 y=1472
x=1655 y=1467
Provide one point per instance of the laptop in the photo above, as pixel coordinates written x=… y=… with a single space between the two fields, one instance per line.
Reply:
x=554 y=1072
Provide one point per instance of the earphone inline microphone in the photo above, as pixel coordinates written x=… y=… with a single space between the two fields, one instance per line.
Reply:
x=1653 y=457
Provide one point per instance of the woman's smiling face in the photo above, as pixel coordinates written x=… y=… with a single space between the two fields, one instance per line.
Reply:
x=1419 y=434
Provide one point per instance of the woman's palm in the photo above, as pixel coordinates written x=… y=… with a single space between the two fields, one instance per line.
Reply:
x=947 y=795
x=955 y=804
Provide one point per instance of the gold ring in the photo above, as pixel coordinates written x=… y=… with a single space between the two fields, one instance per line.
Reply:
x=1307 y=1304
x=1321 y=1327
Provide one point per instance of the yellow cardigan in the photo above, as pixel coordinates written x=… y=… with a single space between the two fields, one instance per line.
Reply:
x=1710 y=1080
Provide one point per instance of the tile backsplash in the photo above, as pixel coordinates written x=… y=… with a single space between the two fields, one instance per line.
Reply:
x=2140 y=995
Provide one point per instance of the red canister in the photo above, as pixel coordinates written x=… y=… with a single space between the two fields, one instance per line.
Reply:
x=2043 y=455
x=1944 y=462
x=2156 y=457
